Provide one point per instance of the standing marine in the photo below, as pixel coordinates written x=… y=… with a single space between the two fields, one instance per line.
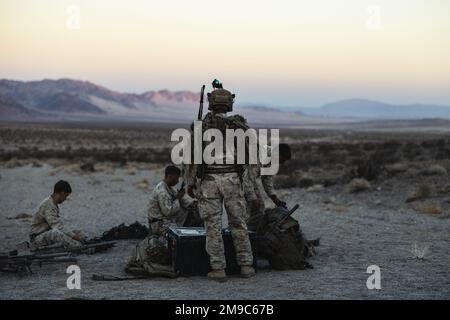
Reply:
x=221 y=185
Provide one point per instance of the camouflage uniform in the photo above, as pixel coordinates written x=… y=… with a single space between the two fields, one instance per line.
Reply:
x=164 y=211
x=216 y=189
x=47 y=227
x=255 y=187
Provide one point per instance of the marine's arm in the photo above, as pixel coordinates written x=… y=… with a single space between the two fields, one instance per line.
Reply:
x=53 y=219
x=267 y=183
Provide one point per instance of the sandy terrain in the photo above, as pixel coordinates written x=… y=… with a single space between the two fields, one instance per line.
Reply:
x=372 y=227
x=356 y=231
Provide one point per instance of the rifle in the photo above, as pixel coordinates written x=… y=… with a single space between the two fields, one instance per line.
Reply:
x=91 y=246
x=200 y=109
x=280 y=221
x=16 y=263
x=182 y=186
x=201 y=169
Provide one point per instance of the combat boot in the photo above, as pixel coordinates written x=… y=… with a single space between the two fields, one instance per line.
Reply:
x=247 y=271
x=217 y=275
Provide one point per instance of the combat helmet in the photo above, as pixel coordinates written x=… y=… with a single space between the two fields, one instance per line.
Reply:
x=220 y=97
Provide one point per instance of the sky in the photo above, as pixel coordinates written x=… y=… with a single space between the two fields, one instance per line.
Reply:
x=284 y=53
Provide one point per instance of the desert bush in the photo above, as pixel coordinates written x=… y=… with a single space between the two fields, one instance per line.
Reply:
x=423 y=191
x=435 y=169
x=397 y=168
x=391 y=145
x=284 y=181
x=443 y=153
x=430 y=209
x=305 y=181
x=419 y=252
x=358 y=185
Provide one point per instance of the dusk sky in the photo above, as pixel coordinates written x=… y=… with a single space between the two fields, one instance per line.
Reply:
x=276 y=53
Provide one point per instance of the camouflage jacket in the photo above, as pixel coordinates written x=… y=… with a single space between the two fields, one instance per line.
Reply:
x=48 y=217
x=221 y=122
x=165 y=210
x=254 y=174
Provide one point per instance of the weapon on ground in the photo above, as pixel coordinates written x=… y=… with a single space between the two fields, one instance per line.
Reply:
x=106 y=277
x=200 y=109
x=91 y=246
x=19 y=263
x=280 y=221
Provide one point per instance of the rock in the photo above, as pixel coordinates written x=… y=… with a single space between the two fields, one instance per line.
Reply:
x=435 y=169
x=358 y=185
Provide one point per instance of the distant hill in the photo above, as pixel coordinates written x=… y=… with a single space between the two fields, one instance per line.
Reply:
x=369 y=109
x=68 y=103
x=12 y=110
x=75 y=100
x=67 y=100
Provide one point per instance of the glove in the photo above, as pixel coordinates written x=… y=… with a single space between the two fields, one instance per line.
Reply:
x=278 y=202
x=256 y=204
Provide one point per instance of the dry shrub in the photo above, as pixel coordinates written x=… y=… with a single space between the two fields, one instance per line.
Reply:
x=435 y=169
x=131 y=171
x=397 y=168
x=284 y=181
x=143 y=184
x=358 y=185
x=419 y=252
x=423 y=191
x=340 y=208
x=430 y=209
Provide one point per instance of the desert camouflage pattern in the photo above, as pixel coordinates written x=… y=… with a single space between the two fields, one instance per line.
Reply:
x=47 y=227
x=151 y=255
x=165 y=210
x=255 y=187
x=214 y=192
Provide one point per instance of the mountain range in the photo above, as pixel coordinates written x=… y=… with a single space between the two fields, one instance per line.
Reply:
x=75 y=100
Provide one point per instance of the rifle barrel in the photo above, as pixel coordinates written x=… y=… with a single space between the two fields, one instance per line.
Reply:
x=200 y=109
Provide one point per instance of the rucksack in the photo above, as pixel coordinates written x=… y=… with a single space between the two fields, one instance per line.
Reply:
x=282 y=244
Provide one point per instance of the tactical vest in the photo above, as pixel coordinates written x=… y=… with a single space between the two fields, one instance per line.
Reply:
x=222 y=123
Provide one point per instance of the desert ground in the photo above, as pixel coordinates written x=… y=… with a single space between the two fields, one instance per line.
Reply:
x=374 y=196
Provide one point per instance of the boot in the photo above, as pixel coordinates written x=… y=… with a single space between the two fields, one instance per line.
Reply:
x=247 y=271
x=217 y=275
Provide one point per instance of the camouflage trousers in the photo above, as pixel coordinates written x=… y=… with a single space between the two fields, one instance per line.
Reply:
x=54 y=236
x=214 y=192
x=151 y=257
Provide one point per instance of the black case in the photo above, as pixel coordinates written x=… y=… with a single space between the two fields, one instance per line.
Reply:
x=189 y=256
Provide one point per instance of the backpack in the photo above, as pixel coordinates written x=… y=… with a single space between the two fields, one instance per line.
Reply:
x=282 y=244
